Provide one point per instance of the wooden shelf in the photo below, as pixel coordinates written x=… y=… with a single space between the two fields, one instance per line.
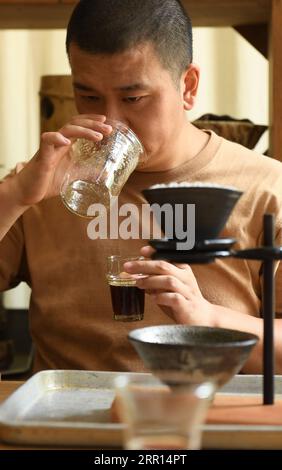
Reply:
x=258 y=20
x=228 y=12
x=47 y=13
x=34 y=16
x=30 y=2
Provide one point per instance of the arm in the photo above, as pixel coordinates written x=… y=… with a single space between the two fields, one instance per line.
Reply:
x=175 y=290
x=41 y=176
x=10 y=210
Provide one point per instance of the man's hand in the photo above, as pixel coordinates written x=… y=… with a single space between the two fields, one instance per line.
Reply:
x=41 y=177
x=174 y=289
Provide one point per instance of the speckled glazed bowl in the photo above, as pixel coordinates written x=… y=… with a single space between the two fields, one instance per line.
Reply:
x=181 y=354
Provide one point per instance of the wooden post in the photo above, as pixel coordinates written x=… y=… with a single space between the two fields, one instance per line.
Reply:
x=275 y=79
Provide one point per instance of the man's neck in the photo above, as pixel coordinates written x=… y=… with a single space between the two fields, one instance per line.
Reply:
x=190 y=143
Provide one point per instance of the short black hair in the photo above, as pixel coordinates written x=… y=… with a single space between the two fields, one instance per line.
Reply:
x=113 y=26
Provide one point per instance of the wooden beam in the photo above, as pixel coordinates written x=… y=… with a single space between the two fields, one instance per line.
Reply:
x=40 y=16
x=227 y=12
x=275 y=80
x=28 y=2
x=256 y=35
x=202 y=12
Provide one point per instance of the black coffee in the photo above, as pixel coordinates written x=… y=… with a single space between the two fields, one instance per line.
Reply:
x=127 y=301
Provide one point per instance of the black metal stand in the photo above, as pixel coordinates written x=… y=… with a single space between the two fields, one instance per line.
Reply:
x=268 y=316
x=268 y=253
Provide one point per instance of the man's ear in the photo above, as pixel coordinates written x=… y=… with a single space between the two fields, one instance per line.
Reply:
x=190 y=83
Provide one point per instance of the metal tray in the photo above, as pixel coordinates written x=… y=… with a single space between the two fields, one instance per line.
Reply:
x=72 y=408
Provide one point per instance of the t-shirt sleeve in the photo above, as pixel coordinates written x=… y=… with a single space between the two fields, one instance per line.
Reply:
x=12 y=258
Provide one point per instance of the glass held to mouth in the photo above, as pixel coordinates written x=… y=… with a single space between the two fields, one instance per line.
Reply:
x=99 y=170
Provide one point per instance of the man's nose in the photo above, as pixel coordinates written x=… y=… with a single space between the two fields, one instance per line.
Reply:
x=113 y=113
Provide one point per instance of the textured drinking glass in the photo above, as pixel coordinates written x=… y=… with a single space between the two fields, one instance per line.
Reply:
x=99 y=170
x=127 y=299
x=159 y=417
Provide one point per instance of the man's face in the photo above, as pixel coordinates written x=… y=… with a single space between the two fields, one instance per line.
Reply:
x=132 y=87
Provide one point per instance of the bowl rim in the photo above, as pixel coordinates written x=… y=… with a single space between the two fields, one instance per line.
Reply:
x=251 y=339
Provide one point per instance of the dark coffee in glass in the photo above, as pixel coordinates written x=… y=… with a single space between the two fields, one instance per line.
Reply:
x=127 y=300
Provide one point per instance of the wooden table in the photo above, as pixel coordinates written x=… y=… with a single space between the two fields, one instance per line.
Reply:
x=6 y=388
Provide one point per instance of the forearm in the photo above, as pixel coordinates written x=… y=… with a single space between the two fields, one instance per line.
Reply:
x=227 y=318
x=10 y=209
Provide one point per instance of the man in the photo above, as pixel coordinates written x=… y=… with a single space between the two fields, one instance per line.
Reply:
x=132 y=61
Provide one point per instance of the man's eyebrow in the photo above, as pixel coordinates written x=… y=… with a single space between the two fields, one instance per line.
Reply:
x=82 y=87
x=133 y=87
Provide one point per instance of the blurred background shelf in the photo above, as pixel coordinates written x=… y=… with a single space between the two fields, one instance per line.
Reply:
x=203 y=12
x=15 y=330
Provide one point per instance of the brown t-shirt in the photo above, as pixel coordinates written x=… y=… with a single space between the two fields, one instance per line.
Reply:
x=70 y=309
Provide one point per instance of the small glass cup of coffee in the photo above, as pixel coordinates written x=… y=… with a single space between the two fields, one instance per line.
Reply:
x=128 y=300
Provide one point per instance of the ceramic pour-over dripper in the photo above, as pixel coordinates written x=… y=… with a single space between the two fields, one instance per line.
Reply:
x=213 y=205
x=181 y=354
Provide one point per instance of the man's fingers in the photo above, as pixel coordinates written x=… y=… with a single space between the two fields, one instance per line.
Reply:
x=159 y=267
x=151 y=292
x=175 y=306
x=90 y=127
x=72 y=131
x=181 y=265
x=90 y=124
x=148 y=267
x=85 y=127
x=164 y=283
x=53 y=147
x=147 y=251
x=92 y=117
x=173 y=300
x=53 y=139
